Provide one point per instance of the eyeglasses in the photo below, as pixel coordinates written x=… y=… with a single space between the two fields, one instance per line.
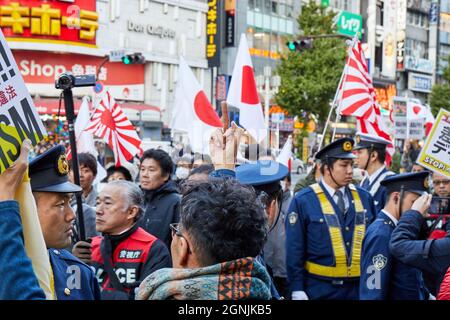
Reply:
x=443 y=182
x=175 y=229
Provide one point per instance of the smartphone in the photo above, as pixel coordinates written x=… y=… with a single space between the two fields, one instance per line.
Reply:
x=439 y=205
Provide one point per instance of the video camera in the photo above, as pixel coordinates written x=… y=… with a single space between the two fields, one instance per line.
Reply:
x=68 y=80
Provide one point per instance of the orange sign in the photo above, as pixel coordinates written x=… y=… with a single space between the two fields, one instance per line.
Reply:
x=64 y=22
x=385 y=96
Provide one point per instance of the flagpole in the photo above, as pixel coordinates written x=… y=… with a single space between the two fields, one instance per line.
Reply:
x=335 y=98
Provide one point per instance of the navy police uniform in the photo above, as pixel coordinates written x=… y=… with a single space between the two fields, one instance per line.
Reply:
x=73 y=279
x=264 y=176
x=373 y=183
x=323 y=243
x=383 y=277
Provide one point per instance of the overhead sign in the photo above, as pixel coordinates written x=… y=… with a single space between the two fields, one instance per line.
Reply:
x=19 y=119
x=116 y=55
x=435 y=154
x=418 y=64
x=420 y=82
x=65 y=22
x=213 y=33
x=389 y=65
x=230 y=14
x=350 y=24
x=401 y=34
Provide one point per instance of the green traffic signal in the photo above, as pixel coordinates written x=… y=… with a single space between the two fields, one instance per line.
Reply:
x=126 y=60
x=291 y=45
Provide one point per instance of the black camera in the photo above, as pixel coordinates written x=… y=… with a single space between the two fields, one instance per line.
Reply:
x=440 y=205
x=67 y=81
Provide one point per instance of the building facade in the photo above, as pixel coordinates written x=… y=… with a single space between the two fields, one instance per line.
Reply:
x=49 y=38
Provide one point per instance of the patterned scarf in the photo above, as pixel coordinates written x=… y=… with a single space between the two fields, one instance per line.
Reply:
x=243 y=278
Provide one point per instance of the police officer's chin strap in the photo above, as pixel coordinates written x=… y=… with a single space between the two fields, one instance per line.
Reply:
x=368 y=159
x=402 y=193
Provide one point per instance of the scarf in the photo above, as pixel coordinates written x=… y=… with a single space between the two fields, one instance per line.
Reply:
x=239 y=279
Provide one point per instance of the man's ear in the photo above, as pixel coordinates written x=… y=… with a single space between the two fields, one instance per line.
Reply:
x=133 y=213
x=183 y=252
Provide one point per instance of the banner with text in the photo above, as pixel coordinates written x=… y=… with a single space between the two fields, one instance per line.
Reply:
x=435 y=154
x=19 y=119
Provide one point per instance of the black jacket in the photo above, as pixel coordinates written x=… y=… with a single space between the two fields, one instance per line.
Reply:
x=162 y=207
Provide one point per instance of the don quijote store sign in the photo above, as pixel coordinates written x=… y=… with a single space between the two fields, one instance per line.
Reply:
x=54 y=36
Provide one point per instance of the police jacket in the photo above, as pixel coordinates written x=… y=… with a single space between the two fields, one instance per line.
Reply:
x=377 y=191
x=383 y=277
x=162 y=207
x=73 y=279
x=134 y=255
x=313 y=238
x=429 y=255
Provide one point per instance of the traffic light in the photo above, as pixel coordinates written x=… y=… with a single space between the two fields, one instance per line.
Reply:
x=134 y=58
x=300 y=45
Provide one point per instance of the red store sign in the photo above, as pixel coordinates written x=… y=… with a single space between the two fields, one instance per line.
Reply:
x=53 y=21
x=125 y=82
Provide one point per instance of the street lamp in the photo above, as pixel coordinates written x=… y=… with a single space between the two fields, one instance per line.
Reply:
x=269 y=85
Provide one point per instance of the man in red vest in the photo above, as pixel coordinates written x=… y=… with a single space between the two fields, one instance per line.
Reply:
x=125 y=254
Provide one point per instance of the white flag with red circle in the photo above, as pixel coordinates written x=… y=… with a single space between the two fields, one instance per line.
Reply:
x=193 y=112
x=244 y=95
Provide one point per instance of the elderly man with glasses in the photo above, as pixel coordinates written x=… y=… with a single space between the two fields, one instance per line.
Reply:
x=125 y=253
x=441 y=185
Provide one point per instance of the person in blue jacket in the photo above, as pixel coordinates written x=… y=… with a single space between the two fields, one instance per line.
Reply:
x=18 y=279
x=383 y=277
x=325 y=229
x=73 y=279
x=409 y=244
x=370 y=156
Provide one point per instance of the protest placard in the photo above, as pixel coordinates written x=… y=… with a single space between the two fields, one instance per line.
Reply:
x=435 y=154
x=19 y=119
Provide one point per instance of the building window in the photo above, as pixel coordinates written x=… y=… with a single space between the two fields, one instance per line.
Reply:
x=416 y=48
x=275 y=7
x=251 y=4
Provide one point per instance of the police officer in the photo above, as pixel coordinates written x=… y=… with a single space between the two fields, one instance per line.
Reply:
x=370 y=156
x=265 y=176
x=383 y=277
x=325 y=229
x=410 y=246
x=73 y=280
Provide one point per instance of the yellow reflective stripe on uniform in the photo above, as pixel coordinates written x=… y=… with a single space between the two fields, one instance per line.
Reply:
x=341 y=268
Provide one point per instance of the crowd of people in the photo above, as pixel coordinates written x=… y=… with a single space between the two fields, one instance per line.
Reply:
x=191 y=226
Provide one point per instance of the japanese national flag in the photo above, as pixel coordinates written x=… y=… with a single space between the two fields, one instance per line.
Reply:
x=286 y=153
x=193 y=112
x=243 y=94
x=429 y=121
x=416 y=111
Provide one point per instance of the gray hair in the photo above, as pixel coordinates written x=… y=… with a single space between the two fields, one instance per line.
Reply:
x=133 y=194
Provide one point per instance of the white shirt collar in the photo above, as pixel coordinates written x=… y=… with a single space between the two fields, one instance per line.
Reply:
x=331 y=191
x=394 y=220
x=373 y=176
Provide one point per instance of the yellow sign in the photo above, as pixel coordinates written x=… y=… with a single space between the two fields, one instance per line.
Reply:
x=435 y=154
x=305 y=150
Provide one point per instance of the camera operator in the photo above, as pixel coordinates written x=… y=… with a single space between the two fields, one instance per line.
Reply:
x=432 y=256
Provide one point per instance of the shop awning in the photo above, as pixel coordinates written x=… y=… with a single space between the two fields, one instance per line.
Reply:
x=51 y=106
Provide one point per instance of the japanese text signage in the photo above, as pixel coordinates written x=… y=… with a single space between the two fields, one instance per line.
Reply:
x=401 y=34
x=400 y=120
x=419 y=82
x=213 y=33
x=64 y=22
x=350 y=24
x=435 y=154
x=19 y=119
x=40 y=69
x=230 y=12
